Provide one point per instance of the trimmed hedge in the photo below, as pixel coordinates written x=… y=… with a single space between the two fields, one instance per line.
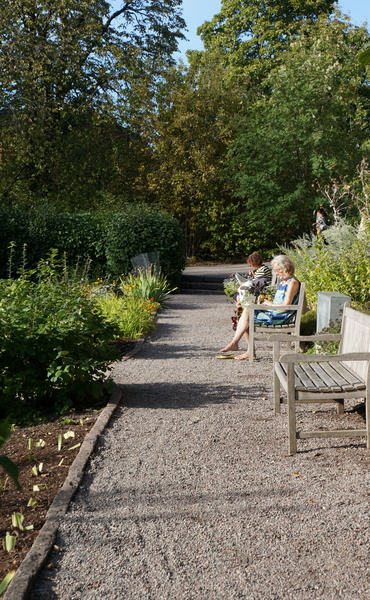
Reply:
x=109 y=239
x=139 y=229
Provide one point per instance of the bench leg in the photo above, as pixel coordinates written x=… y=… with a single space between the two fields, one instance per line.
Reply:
x=367 y=408
x=292 y=421
x=251 y=343
x=276 y=394
x=292 y=428
x=340 y=407
x=276 y=380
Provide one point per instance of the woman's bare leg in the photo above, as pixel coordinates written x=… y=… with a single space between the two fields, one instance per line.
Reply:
x=245 y=355
x=242 y=329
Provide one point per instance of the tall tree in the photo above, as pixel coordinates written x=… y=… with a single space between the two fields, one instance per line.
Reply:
x=192 y=131
x=64 y=66
x=251 y=36
x=312 y=128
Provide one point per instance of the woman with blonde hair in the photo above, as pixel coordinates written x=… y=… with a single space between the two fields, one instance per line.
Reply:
x=286 y=293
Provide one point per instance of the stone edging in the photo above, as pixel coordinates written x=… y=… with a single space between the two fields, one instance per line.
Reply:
x=136 y=350
x=38 y=554
x=39 y=551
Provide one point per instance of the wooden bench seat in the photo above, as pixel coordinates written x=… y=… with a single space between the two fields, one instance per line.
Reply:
x=315 y=377
x=308 y=378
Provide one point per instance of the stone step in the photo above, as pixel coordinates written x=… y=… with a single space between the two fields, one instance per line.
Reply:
x=199 y=291
x=204 y=278
x=201 y=284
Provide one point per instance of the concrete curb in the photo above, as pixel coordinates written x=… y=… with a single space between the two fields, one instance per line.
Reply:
x=38 y=554
x=138 y=347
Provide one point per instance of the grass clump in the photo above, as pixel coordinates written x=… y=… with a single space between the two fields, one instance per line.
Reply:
x=146 y=284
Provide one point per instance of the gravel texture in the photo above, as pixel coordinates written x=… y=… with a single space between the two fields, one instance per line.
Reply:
x=191 y=494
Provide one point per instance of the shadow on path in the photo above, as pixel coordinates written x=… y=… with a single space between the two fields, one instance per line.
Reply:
x=188 y=395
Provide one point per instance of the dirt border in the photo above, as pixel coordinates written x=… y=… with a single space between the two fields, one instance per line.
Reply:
x=29 y=568
x=37 y=555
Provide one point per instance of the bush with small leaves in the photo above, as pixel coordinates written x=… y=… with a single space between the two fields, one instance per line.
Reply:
x=54 y=351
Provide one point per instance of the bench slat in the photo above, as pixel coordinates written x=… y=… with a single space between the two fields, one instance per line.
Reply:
x=329 y=376
x=319 y=383
x=325 y=377
x=332 y=370
x=305 y=382
x=350 y=376
x=282 y=370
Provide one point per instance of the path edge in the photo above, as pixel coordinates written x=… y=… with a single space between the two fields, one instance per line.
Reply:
x=21 y=583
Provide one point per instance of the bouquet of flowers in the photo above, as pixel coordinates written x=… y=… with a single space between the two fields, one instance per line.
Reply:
x=237 y=314
x=255 y=294
x=267 y=293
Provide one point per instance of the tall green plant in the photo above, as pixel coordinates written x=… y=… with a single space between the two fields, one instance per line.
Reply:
x=147 y=284
x=53 y=342
x=340 y=264
x=132 y=316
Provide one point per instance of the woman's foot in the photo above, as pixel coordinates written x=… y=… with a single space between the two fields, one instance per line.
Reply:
x=244 y=356
x=231 y=346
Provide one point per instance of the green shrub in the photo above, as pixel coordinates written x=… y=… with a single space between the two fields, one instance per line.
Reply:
x=308 y=323
x=340 y=265
x=42 y=228
x=330 y=347
x=9 y=467
x=108 y=239
x=79 y=235
x=54 y=351
x=14 y=221
x=133 y=317
x=139 y=229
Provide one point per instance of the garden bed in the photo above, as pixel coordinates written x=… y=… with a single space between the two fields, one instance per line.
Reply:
x=50 y=478
x=42 y=449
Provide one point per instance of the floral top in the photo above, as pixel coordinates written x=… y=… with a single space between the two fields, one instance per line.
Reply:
x=278 y=317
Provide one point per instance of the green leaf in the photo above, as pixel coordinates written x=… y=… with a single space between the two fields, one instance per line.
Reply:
x=364 y=57
x=9 y=542
x=5 y=582
x=11 y=469
x=4 y=431
x=17 y=520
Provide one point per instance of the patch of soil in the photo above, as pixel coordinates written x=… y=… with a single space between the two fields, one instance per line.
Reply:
x=123 y=345
x=52 y=467
x=51 y=474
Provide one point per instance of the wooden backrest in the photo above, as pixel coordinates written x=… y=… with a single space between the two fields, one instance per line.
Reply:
x=274 y=278
x=355 y=337
x=302 y=308
x=301 y=302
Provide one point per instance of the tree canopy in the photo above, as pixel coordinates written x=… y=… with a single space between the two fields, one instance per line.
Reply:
x=252 y=36
x=65 y=68
x=312 y=127
x=236 y=145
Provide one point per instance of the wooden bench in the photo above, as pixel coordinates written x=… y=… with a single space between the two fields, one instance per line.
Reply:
x=262 y=332
x=318 y=378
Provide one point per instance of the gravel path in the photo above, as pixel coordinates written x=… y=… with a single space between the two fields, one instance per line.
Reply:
x=191 y=494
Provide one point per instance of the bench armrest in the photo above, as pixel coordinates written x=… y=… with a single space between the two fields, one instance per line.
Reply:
x=323 y=337
x=348 y=356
